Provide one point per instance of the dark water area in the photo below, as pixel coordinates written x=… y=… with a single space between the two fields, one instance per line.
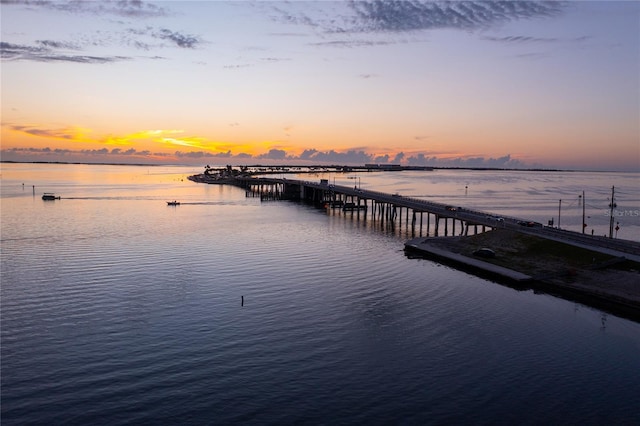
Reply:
x=118 y=309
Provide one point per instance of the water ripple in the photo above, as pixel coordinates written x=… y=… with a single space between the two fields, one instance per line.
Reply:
x=119 y=310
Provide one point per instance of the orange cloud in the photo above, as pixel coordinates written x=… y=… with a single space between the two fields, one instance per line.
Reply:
x=75 y=134
x=135 y=138
x=170 y=139
x=244 y=146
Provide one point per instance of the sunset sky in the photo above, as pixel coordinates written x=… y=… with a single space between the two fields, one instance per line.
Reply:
x=495 y=84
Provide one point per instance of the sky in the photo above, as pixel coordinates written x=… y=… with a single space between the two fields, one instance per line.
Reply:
x=521 y=84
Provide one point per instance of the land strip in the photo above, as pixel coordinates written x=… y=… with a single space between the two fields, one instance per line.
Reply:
x=537 y=261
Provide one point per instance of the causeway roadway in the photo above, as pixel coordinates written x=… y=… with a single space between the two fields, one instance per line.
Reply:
x=613 y=246
x=617 y=247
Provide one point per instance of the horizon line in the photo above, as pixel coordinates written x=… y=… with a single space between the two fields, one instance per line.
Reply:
x=401 y=168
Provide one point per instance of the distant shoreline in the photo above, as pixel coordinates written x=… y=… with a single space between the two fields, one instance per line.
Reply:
x=318 y=166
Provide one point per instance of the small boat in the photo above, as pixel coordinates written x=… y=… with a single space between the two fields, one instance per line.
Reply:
x=173 y=203
x=47 y=196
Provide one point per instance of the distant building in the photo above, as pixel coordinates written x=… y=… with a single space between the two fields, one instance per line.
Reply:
x=383 y=166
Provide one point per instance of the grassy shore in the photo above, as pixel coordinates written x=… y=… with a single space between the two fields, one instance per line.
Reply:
x=555 y=265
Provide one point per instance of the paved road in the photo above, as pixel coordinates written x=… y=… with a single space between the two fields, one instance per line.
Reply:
x=629 y=249
x=616 y=247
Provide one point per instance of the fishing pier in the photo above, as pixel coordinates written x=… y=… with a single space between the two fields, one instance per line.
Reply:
x=418 y=216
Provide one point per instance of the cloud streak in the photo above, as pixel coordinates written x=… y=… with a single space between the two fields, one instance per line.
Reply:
x=521 y=39
x=67 y=133
x=370 y=23
x=136 y=38
x=124 y=8
x=64 y=51
x=43 y=53
x=71 y=51
x=402 y=16
x=179 y=39
x=52 y=44
x=351 y=43
x=394 y=16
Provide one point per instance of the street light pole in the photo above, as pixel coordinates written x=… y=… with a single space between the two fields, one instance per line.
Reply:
x=559 y=207
x=355 y=177
x=584 y=225
x=612 y=205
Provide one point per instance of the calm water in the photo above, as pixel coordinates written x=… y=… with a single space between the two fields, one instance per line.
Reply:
x=117 y=309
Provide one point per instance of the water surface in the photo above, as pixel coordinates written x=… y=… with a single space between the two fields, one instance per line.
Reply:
x=117 y=309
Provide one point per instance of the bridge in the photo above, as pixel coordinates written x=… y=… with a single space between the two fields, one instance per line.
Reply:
x=441 y=219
